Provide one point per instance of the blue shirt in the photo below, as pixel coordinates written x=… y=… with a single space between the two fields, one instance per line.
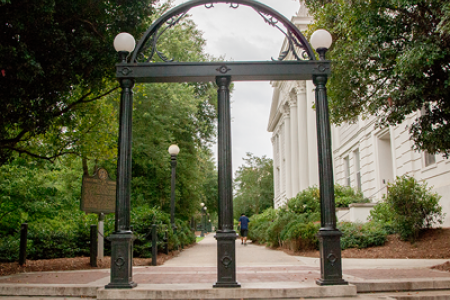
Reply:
x=244 y=222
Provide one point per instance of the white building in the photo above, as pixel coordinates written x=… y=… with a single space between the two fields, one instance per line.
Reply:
x=363 y=157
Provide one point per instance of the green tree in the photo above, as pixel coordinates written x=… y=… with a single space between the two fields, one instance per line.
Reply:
x=56 y=55
x=38 y=192
x=253 y=186
x=391 y=58
x=184 y=114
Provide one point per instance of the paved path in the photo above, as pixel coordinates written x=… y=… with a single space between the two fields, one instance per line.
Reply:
x=205 y=255
x=258 y=269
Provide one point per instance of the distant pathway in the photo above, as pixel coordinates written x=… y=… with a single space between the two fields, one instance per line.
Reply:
x=204 y=254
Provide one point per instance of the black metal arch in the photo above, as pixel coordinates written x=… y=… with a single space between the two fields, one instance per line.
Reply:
x=303 y=68
x=173 y=16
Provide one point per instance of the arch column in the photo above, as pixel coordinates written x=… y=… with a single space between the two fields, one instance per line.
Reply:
x=302 y=109
x=313 y=174
x=225 y=235
x=122 y=238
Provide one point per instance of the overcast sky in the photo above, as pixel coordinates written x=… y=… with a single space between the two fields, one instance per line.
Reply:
x=241 y=35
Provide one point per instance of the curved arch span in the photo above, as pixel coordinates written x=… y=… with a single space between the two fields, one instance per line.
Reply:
x=149 y=41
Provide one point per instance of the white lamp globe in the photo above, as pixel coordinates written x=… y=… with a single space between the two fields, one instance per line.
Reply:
x=202 y=204
x=321 y=39
x=124 y=42
x=204 y=207
x=174 y=150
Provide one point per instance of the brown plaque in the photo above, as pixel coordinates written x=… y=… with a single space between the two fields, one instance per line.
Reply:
x=98 y=193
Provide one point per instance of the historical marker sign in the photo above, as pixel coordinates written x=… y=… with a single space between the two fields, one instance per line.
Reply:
x=98 y=193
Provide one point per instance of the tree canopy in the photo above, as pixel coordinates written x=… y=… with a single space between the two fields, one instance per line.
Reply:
x=55 y=56
x=47 y=194
x=253 y=186
x=391 y=58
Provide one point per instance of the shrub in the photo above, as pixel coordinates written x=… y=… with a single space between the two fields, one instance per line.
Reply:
x=383 y=215
x=59 y=238
x=414 y=207
x=259 y=225
x=297 y=225
x=301 y=232
x=306 y=201
x=345 y=195
x=283 y=217
x=9 y=248
x=142 y=219
x=359 y=236
x=55 y=240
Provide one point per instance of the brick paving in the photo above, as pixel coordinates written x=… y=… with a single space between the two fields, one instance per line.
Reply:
x=161 y=275
x=197 y=265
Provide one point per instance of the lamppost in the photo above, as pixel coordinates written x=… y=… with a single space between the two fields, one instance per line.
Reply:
x=122 y=238
x=173 y=150
x=329 y=235
x=203 y=216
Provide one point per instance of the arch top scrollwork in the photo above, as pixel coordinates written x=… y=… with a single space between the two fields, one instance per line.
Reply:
x=147 y=47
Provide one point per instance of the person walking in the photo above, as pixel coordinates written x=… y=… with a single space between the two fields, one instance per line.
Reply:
x=243 y=223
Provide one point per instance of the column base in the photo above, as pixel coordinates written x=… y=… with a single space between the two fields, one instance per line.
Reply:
x=227 y=285
x=129 y=285
x=331 y=282
x=226 y=260
x=121 y=260
x=330 y=258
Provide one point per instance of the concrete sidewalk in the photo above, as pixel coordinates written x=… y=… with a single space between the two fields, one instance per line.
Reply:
x=263 y=274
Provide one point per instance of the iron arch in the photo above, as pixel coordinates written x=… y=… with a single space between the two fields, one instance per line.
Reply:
x=149 y=41
x=303 y=68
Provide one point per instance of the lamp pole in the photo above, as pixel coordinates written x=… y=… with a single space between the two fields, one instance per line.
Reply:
x=122 y=238
x=329 y=235
x=173 y=151
x=203 y=220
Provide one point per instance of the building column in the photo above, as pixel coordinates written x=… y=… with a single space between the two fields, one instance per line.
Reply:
x=276 y=189
x=281 y=159
x=287 y=145
x=294 y=144
x=302 y=110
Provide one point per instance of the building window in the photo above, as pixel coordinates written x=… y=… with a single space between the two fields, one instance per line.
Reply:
x=347 y=171
x=357 y=169
x=430 y=159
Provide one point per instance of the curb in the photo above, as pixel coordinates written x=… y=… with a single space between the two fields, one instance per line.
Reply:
x=382 y=285
x=48 y=290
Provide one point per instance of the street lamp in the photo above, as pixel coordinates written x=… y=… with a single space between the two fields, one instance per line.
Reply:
x=329 y=235
x=124 y=43
x=321 y=41
x=122 y=238
x=203 y=216
x=173 y=151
